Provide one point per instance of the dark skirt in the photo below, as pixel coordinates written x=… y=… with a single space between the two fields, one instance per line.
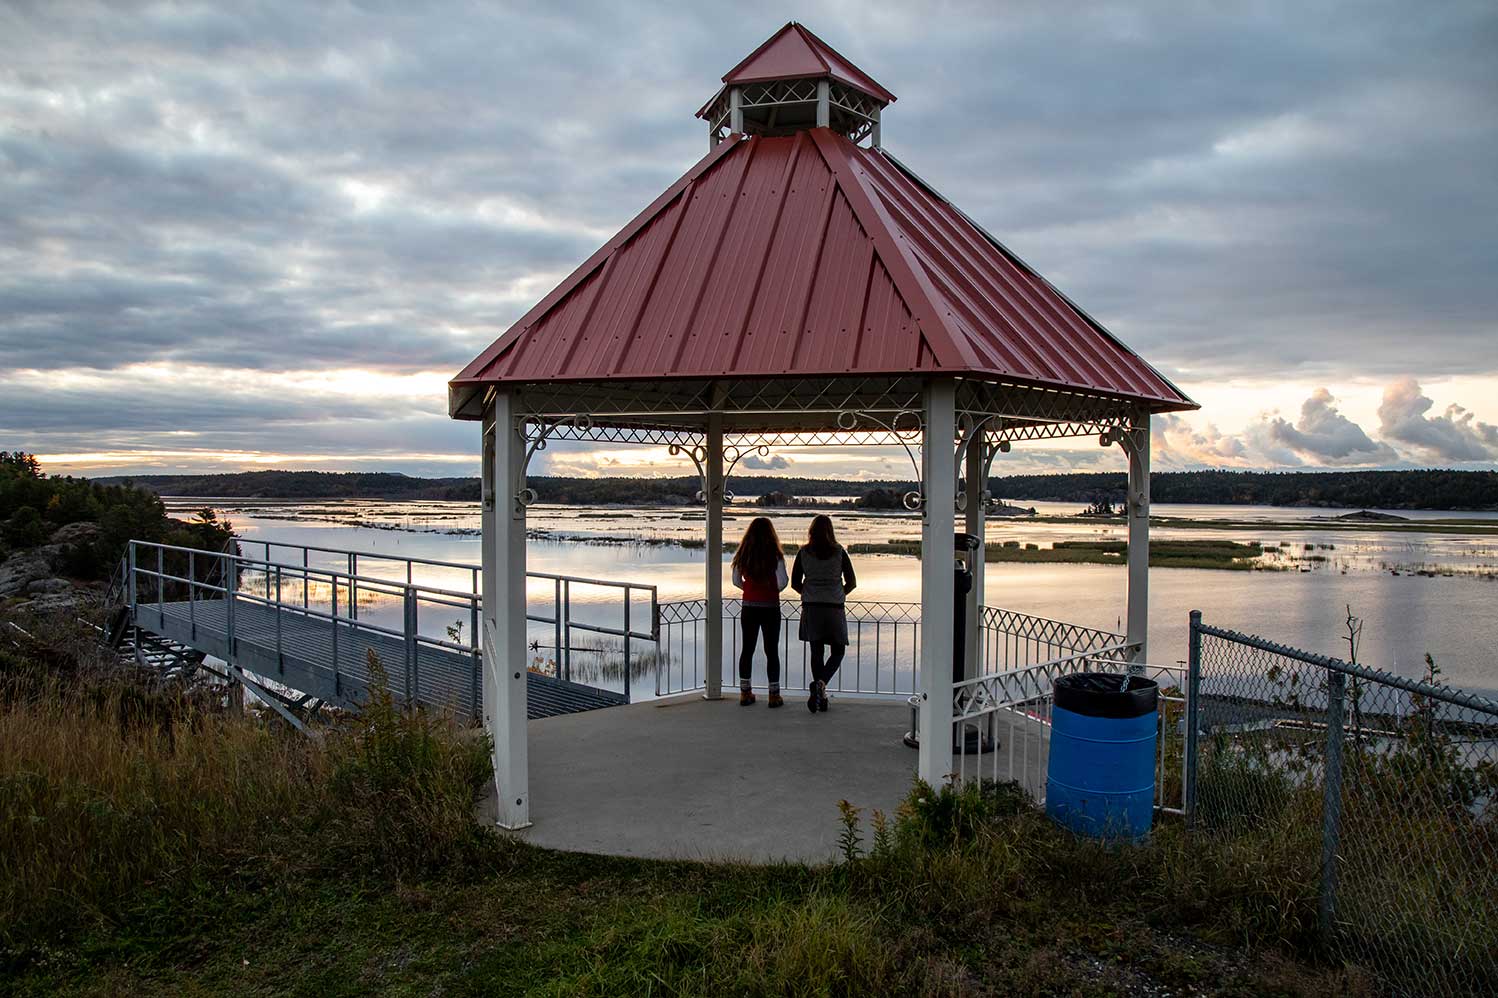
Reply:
x=823 y=624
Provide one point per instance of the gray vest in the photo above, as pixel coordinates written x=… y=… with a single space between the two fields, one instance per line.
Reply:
x=823 y=577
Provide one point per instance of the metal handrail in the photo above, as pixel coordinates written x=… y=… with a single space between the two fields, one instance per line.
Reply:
x=465 y=566
x=413 y=593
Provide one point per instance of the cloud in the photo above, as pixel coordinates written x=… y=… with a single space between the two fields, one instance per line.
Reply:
x=1455 y=435
x=776 y=462
x=1323 y=435
x=1177 y=443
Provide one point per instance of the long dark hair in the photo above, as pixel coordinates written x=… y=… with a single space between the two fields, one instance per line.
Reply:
x=759 y=552
x=820 y=537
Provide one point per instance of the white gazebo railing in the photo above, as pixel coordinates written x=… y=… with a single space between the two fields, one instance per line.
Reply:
x=884 y=647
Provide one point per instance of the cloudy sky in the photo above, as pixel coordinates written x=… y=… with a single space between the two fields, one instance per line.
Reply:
x=265 y=235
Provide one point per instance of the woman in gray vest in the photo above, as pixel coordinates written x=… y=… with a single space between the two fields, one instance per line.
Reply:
x=823 y=575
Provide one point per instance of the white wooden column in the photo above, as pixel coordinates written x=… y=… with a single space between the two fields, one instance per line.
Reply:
x=714 y=581
x=1137 y=446
x=938 y=471
x=976 y=488
x=504 y=613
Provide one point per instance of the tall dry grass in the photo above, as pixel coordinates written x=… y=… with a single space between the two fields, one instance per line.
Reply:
x=110 y=786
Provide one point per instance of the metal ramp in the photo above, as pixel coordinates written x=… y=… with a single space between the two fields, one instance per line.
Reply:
x=299 y=634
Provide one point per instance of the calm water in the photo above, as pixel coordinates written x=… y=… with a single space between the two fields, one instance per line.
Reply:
x=1451 y=612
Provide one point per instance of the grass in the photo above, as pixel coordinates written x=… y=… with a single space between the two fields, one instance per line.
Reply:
x=151 y=841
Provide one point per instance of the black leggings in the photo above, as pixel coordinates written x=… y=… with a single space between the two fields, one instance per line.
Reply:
x=823 y=672
x=753 y=620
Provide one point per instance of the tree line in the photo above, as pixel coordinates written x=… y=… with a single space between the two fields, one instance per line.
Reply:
x=34 y=506
x=1424 y=489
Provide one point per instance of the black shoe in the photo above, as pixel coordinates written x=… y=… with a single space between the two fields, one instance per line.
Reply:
x=813 y=700
x=822 y=697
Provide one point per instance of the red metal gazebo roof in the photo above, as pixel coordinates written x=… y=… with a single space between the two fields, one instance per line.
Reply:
x=806 y=255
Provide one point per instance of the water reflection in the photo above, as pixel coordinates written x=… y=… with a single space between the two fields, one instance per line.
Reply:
x=1450 y=616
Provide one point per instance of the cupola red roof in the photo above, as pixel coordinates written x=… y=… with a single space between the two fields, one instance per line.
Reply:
x=794 y=52
x=806 y=255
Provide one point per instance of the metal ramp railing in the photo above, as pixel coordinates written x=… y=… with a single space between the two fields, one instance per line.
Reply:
x=324 y=630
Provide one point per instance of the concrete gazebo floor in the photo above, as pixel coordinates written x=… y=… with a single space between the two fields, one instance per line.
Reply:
x=687 y=778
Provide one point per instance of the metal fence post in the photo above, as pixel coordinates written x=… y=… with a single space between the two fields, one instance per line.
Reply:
x=192 y=604
x=1193 y=725
x=410 y=632
x=556 y=624
x=626 y=644
x=231 y=583
x=280 y=652
x=353 y=586
x=131 y=586
x=1331 y=807
x=566 y=662
x=475 y=646
x=333 y=619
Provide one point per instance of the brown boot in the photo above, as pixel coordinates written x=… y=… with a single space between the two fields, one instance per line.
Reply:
x=746 y=697
x=775 y=700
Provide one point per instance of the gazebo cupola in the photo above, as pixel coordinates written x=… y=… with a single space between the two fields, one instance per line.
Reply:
x=795 y=81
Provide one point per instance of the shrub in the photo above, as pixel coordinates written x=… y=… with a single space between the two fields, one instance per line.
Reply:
x=25 y=528
x=404 y=785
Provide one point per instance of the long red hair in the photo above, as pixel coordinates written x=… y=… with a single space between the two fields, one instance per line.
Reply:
x=759 y=552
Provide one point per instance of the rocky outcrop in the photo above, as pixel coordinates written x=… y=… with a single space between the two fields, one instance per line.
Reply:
x=75 y=534
x=23 y=568
x=35 y=572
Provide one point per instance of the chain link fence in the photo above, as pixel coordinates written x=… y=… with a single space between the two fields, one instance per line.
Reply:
x=1381 y=791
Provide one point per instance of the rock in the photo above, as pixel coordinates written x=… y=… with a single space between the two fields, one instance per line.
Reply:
x=21 y=569
x=48 y=603
x=43 y=587
x=81 y=532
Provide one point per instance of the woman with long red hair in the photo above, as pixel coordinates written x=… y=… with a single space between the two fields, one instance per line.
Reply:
x=759 y=570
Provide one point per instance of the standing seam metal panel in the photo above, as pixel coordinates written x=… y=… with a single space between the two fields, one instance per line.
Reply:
x=967 y=258
x=763 y=266
x=666 y=321
x=1048 y=359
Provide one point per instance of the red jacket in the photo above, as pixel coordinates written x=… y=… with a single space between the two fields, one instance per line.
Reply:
x=763 y=591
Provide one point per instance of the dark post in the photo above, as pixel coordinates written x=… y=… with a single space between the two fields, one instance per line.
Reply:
x=626 y=643
x=1331 y=808
x=1193 y=726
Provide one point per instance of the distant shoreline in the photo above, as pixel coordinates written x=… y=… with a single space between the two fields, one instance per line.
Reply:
x=1435 y=490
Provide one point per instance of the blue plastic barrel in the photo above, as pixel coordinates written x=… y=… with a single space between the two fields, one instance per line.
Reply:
x=1101 y=778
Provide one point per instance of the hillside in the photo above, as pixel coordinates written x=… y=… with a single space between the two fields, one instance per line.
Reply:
x=1427 y=489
